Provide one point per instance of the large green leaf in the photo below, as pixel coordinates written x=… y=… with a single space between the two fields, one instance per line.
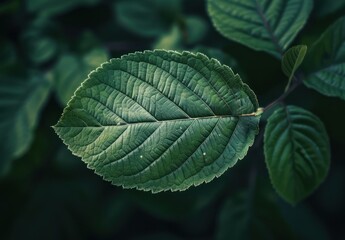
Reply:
x=148 y=18
x=266 y=25
x=160 y=120
x=325 y=62
x=297 y=152
x=21 y=100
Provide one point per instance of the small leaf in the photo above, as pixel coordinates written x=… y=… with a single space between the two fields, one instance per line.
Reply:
x=160 y=120
x=259 y=24
x=325 y=62
x=148 y=18
x=291 y=61
x=297 y=152
x=21 y=101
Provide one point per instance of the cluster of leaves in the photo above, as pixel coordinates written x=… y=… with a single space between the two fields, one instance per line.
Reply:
x=163 y=120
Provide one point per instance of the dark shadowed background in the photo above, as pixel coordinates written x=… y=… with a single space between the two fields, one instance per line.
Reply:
x=48 y=47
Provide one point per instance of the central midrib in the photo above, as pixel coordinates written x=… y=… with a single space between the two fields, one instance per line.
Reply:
x=159 y=122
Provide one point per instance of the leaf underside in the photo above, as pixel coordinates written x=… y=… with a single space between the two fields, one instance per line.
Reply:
x=160 y=120
x=265 y=25
x=297 y=152
x=325 y=63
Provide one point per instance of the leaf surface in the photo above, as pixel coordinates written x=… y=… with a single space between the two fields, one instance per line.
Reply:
x=325 y=63
x=297 y=152
x=264 y=25
x=160 y=120
x=21 y=101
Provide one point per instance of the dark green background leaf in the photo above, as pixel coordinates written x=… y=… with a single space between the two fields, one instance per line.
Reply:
x=21 y=101
x=325 y=62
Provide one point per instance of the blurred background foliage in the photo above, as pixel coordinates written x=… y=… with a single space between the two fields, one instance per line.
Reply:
x=48 y=47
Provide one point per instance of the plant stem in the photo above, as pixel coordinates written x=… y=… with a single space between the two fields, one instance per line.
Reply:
x=281 y=98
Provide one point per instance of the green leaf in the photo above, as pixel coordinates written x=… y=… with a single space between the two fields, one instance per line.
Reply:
x=297 y=152
x=160 y=120
x=260 y=24
x=21 y=100
x=325 y=62
x=291 y=61
x=72 y=69
x=148 y=18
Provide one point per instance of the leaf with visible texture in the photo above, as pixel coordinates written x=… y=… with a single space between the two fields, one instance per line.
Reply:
x=21 y=100
x=297 y=152
x=160 y=120
x=325 y=62
x=265 y=25
x=147 y=18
